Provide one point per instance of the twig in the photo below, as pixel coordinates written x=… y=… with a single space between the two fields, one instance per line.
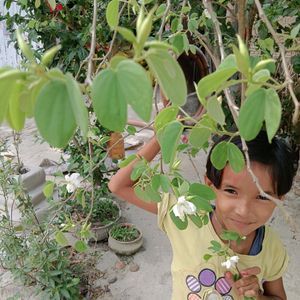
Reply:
x=202 y=40
x=111 y=42
x=182 y=14
x=283 y=57
x=163 y=22
x=231 y=103
x=93 y=45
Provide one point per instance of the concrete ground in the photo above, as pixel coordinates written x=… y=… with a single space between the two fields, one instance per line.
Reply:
x=152 y=280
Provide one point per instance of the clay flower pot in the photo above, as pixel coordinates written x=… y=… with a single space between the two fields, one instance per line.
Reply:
x=101 y=231
x=125 y=239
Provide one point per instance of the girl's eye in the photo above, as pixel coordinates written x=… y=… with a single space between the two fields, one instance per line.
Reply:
x=230 y=191
x=260 y=197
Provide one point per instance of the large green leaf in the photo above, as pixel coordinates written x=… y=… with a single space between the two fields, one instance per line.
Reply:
x=261 y=105
x=210 y=83
x=15 y=116
x=113 y=88
x=251 y=115
x=112 y=13
x=219 y=155
x=165 y=116
x=201 y=203
x=202 y=190
x=272 y=113
x=76 y=102
x=109 y=105
x=169 y=75
x=168 y=138
x=53 y=114
x=214 y=109
x=235 y=157
x=199 y=136
x=136 y=88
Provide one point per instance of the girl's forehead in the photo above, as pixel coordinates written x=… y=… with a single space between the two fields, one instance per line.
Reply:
x=244 y=178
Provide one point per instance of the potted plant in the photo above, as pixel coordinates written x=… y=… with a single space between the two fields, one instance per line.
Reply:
x=105 y=214
x=125 y=239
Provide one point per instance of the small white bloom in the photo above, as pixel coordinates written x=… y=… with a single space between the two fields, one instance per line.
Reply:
x=73 y=182
x=231 y=262
x=183 y=207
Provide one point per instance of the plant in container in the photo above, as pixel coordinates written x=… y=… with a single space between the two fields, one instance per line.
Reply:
x=125 y=239
x=105 y=214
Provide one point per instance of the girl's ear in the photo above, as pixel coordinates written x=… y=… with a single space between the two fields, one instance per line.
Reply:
x=208 y=181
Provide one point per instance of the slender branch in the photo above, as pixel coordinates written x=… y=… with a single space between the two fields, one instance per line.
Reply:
x=203 y=41
x=283 y=57
x=231 y=103
x=93 y=46
x=194 y=167
x=108 y=53
x=182 y=14
x=164 y=17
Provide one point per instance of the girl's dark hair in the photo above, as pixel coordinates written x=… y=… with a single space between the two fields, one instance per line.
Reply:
x=278 y=156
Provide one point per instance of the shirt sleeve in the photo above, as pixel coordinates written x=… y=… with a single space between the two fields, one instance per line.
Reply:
x=280 y=259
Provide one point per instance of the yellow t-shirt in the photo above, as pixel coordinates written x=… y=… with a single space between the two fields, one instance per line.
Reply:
x=194 y=278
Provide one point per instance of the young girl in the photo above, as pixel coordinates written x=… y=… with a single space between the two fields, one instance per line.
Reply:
x=262 y=259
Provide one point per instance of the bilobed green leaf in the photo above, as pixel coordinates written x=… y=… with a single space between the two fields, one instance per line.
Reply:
x=210 y=83
x=272 y=113
x=109 y=104
x=137 y=171
x=155 y=182
x=147 y=194
x=136 y=87
x=235 y=157
x=203 y=191
x=251 y=115
x=127 y=34
x=116 y=60
x=127 y=160
x=214 y=109
x=112 y=13
x=219 y=155
x=265 y=64
x=201 y=204
x=216 y=245
x=165 y=116
x=199 y=136
x=15 y=116
x=53 y=114
x=228 y=63
x=168 y=138
x=61 y=239
x=197 y=220
x=169 y=75
x=164 y=182
x=178 y=43
x=48 y=189
x=80 y=246
x=181 y=225
x=76 y=103
x=262 y=75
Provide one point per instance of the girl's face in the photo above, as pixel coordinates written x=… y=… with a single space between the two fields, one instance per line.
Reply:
x=239 y=205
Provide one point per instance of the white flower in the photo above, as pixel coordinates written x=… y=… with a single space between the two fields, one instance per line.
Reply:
x=231 y=262
x=73 y=182
x=183 y=207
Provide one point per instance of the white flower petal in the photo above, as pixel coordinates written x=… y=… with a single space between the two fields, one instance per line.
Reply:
x=178 y=212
